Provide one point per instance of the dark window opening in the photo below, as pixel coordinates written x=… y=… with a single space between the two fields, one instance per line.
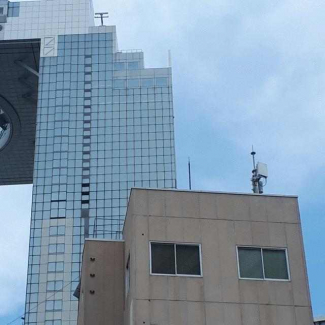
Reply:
x=175 y=259
x=263 y=263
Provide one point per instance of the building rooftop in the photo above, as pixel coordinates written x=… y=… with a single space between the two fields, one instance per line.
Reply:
x=213 y=192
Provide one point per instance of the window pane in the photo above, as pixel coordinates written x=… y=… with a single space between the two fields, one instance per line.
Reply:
x=59 y=266
x=133 y=65
x=119 y=83
x=188 y=259
x=161 y=82
x=147 y=82
x=119 y=66
x=275 y=264
x=51 y=285
x=250 y=263
x=133 y=83
x=162 y=258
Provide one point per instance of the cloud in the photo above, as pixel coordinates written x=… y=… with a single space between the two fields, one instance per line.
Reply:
x=252 y=72
x=245 y=72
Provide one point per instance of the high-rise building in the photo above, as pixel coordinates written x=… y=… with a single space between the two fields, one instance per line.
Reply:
x=84 y=122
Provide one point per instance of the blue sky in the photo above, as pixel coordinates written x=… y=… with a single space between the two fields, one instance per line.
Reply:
x=244 y=72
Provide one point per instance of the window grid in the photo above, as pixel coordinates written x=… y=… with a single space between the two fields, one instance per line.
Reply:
x=175 y=259
x=93 y=143
x=262 y=258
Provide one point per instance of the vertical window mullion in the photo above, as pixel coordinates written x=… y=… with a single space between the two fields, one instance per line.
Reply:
x=263 y=264
x=175 y=259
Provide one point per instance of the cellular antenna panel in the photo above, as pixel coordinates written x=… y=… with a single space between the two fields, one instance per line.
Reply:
x=262 y=169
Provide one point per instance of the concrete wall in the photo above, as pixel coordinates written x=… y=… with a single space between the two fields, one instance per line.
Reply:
x=102 y=283
x=219 y=222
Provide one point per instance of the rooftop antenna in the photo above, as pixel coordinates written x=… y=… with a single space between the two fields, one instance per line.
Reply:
x=101 y=16
x=169 y=58
x=260 y=173
x=189 y=174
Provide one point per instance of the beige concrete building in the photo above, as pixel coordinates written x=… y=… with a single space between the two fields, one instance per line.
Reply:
x=199 y=258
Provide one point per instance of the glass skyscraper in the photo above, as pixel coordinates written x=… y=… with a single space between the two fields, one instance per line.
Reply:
x=84 y=122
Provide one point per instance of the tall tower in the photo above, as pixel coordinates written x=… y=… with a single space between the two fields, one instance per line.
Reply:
x=84 y=122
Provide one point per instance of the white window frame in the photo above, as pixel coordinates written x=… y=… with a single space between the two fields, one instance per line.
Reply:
x=261 y=249
x=176 y=243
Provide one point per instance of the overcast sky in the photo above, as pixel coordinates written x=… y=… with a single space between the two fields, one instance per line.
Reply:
x=244 y=72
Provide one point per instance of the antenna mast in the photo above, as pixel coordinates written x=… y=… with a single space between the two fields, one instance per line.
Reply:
x=101 y=16
x=189 y=174
x=259 y=172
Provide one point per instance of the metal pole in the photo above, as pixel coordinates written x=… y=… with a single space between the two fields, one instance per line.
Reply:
x=189 y=174
x=253 y=153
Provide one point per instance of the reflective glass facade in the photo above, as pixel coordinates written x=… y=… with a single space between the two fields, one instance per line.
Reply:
x=104 y=125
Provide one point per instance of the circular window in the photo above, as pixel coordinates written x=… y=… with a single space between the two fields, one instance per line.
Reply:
x=5 y=129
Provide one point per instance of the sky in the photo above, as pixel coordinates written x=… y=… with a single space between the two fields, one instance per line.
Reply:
x=244 y=73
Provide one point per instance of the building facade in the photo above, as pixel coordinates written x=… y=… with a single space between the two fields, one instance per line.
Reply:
x=98 y=124
x=199 y=258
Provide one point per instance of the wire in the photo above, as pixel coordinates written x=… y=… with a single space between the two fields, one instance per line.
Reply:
x=20 y=316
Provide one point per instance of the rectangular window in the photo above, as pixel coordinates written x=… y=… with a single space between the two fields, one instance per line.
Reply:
x=54 y=285
x=55 y=267
x=263 y=263
x=175 y=259
x=53 y=305
x=161 y=82
x=119 y=83
x=133 y=83
x=119 y=66
x=56 y=248
x=133 y=65
x=1 y=10
x=13 y=9
x=147 y=82
x=57 y=230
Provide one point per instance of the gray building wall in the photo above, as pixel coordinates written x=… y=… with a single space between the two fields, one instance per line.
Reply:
x=102 y=283
x=219 y=222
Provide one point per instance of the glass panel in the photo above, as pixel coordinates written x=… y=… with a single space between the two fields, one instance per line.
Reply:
x=250 y=263
x=133 y=65
x=61 y=230
x=119 y=83
x=161 y=82
x=119 y=66
x=146 y=82
x=275 y=264
x=188 y=259
x=13 y=9
x=51 y=285
x=133 y=83
x=162 y=258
